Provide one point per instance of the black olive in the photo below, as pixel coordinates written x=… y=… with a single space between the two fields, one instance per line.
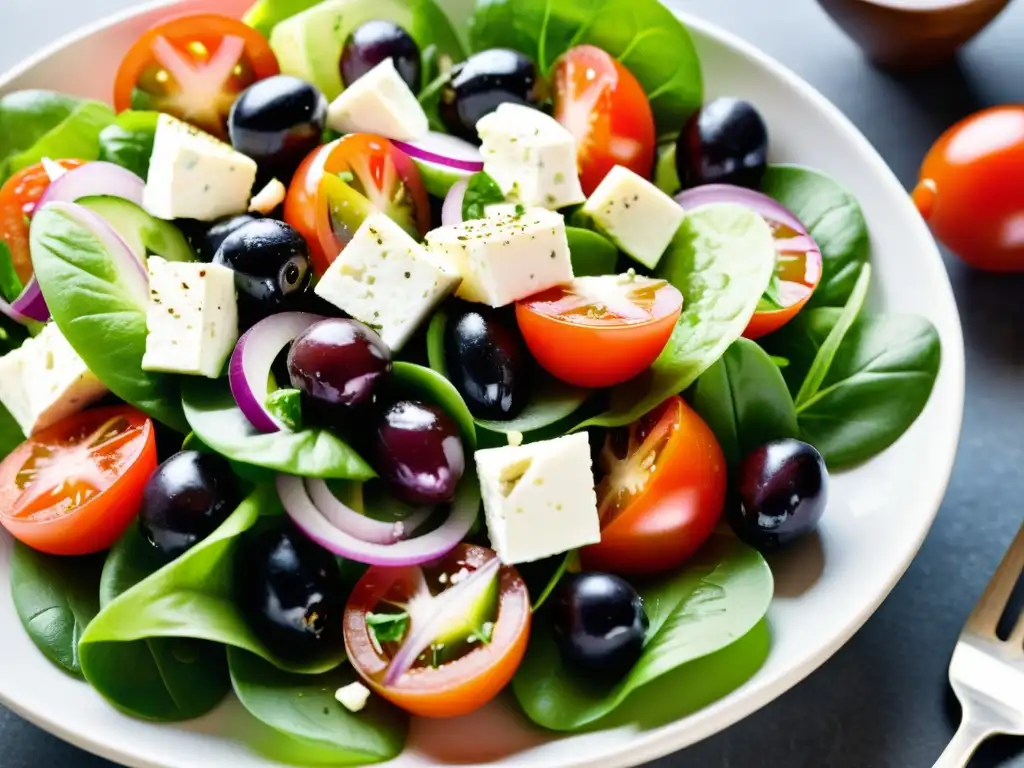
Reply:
x=186 y=500
x=375 y=41
x=726 y=142
x=338 y=363
x=206 y=240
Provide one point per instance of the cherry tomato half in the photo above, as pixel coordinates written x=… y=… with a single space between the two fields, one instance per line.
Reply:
x=18 y=198
x=193 y=67
x=604 y=106
x=661 y=494
x=971 y=189
x=74 y=488
x=600 y=331
x=474 y=673
x=300 y=210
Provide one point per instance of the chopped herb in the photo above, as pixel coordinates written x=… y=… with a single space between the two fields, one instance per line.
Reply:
x=286 y=406
x=388 y=627
x=348 y=177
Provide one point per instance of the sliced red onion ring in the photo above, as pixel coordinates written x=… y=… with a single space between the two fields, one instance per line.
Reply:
x=442 y=149
x=354 y=523
x=448 y=603
x=421 y=549
x=96 y=178
x=30 y=304
x=451 y=210
x=254 y=354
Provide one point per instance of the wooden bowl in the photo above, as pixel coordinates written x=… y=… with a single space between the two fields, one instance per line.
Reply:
x=912 y=34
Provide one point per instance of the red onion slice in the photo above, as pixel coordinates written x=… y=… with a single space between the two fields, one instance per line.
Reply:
x=442 y=149
x=31 y=304
x=91 y=179
x=354 y=523
x=451 y=210
x=254 y=354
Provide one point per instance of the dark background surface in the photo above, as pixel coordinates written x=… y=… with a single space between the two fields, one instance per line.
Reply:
x=883 y=700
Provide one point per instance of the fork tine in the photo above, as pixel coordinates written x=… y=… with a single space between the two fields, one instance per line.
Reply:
x=990 y=607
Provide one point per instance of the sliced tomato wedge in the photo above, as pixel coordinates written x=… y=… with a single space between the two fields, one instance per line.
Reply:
x=193 y=67
x=604 y=106
x=18 y=199
x=661 y=491
x=600 y=331
x=455 y=675
x=74 y=488
x=300 y=210
x=797 y=274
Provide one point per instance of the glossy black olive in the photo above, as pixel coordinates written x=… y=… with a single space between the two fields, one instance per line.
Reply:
x=599 y=624
x=376 y=41
x=207 y=240
x=726 y=142
x=483 y=82
x=186 y=500
x=487 y=362
x=781 y=494
x=271 y=265
x=277 y=122
x=418 y=452
x=291 y=593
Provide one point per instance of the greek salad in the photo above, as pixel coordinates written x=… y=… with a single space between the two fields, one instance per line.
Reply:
x=366 y=373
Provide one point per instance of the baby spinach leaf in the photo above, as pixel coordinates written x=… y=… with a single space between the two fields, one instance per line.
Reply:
x=429 y=385
x=11 y=435
x=721 y=259
x=103 y=321
x=128 y=141
x=591 y=253
x=481 y=191
x=718 y=597
x=10 y=284
x=26 y=116
x=217 y=421
x=306 y=723
x=55 y=598
x=833 y=217
x=643 y=34
x=744 y=399
x=75 y=136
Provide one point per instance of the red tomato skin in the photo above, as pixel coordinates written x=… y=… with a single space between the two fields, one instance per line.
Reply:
x=971 y=189
x=300 y=204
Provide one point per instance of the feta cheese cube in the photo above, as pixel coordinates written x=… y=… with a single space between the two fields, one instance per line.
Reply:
x=637 y=216
x=497 y=210
x=192 y=318
x=45 y=381
x=379 y=102
x=353 y=696
x=387 y=280
x=268 y=198
x=506 y=258
x=531 y=156
x=193 y=175
x=539 y=499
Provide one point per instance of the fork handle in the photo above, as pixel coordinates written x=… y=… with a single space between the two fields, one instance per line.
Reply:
x=966 y=740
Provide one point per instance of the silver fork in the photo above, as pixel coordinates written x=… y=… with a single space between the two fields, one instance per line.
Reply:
x=987 y=674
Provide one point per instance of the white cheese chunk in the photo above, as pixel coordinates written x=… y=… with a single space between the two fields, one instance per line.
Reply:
x=387 y=280
x=268 y=198
x=193 y=175
x=353 y=696
x=637 y=216
x=497 y=210
x=539 y=499
x=379 y=102
x=506 y=258
x=531 y=156
x=192 y=318
x=45 y=381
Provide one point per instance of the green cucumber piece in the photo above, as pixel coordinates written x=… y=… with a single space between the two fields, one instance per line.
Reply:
x=145 y=234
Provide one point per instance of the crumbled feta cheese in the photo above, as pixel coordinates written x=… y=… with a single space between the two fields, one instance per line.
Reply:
x=387 y=280
x=637 y=216
x=514 y=438
x=192 y=318
x=539 y=499
x=379 y=102
x=353 y=696
x=531 y=157
x=193 y=175
x=504 y=259
x=268 y=198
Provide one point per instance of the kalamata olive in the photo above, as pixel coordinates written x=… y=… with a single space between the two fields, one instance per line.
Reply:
x=291 y=593
x=207 y=239
x=271 y=265
x=338 y=362
x=186 y=500
x=726 y=142
x=418 y=452
x=487 y=362
x=599 y=624
x=277 y=122
x=781 y=494
x=375 y=41
x=483 y=82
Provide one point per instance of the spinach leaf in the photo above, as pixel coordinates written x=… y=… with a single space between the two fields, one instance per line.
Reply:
x=643 y=34
x=833 y=217
x=128 y=141
x=429 y=385
x=75 y=136
x=217 y=420
x=481 y=191
x=55 y=598
x=10 y=284
x=388 y=627
x=11 y=435
x=306 y=724
x=591 y=253
x=743 y=398
x=721 y=259
x=719 y=596
x=100 y=317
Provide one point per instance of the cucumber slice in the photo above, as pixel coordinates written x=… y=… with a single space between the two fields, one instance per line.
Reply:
x=145 y=234
x=666 y=178
x=437 y=177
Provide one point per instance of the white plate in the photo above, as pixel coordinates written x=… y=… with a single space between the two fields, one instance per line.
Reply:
x=876 y=521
